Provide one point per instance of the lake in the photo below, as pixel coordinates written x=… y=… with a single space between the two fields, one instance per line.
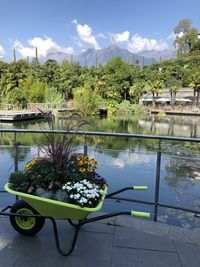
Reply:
x=124 y=161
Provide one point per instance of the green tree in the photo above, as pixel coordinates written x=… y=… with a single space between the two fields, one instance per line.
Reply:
x=13 y=74
x=33 y=89
x=50 y=73
x=195 y=84
x=118 y=78
x=86 y=100
x=54 y=98
x=69 y=78
x=186 y=37
x=137 y=90
x=155 y=87
x=174 y=86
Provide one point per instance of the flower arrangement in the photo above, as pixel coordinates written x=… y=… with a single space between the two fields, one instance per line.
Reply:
x=83 y=193
x=61 y=174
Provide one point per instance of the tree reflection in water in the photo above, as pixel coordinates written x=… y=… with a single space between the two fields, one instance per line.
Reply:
x=180 y=172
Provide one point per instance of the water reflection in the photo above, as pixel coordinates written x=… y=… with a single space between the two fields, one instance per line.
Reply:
x=182 y=126
x=126 y=161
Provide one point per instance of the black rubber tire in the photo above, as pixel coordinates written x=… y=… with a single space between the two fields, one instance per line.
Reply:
x=34 y=224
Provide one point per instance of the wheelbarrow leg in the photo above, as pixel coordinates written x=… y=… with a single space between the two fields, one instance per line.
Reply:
x=61 y=251
x=72 y=223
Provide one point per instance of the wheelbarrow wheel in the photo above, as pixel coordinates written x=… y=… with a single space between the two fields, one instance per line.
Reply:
x=27 y=225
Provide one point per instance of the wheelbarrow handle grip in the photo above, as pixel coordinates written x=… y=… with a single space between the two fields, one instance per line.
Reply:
x=140 y=187
x=140 y=214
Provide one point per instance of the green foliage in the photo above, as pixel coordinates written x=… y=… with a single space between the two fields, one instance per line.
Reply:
x=33 y=89
x=140 y=111
x=137 y=90
x=87 y=100
x=54 y=98
x=16 y=96
x=186 y=37
x=107 y=86
x=19 y=181
x=118 y=76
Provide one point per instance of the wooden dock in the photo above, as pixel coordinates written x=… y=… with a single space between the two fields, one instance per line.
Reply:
x=179 y=113
x=9 y=115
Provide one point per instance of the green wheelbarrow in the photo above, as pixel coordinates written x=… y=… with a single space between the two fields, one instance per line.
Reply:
x=28 y=214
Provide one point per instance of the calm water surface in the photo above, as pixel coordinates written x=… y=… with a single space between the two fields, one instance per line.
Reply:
x=125 y=162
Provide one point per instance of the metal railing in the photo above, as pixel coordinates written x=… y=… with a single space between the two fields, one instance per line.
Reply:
x=156 y=201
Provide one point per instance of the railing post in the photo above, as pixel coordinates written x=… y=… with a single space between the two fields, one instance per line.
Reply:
x=157 y=185
x=15 y=149
x=85 y=146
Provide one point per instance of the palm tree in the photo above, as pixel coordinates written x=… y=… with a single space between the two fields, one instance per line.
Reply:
x=173 y=90
x=174 y=86
x=195 y=84
x=156 y=88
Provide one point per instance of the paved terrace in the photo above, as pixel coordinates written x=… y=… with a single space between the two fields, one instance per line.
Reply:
x=117 y=242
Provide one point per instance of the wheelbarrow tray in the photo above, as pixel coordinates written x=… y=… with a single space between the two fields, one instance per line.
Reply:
x=57 y=209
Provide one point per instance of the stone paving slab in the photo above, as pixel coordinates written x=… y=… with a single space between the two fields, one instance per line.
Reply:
x=162 y=229
x=143 y=258
x=122 y=241
x=189 y=254
x=126 y=237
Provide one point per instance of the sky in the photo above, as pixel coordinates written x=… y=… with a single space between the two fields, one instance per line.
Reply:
x=73 y=26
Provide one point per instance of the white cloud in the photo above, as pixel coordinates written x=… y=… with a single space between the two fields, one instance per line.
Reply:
x=85 y=37
x=127 y=159
x=171 y=36
x=181 y=34
x=101 y=35
x=2 y=51
x=139 y=43
x=121 y=37
x=74 y=21
x=44 y=46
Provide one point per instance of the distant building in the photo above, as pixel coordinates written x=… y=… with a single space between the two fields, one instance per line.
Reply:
x=184 y=96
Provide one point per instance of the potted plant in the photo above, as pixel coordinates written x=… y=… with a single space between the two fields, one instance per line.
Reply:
x=60 y=175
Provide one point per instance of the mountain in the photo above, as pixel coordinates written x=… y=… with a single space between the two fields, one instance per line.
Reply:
x=157 y=55
x=58 y=56
x=93 y=57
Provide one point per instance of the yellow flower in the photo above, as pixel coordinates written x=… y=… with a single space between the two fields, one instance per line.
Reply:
x=96 y=166
x=93 y=161
x=31 y=163
x=86 y=157
x=81 y=162
x=90 y=170
x=82 y=169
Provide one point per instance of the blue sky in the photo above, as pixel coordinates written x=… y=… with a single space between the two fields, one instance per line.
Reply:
x=75 y=25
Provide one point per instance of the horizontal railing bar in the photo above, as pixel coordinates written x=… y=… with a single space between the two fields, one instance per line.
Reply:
x=133 y=200
x=145 y=202
x=152 y=203
x=178 y=208
x=156 y=137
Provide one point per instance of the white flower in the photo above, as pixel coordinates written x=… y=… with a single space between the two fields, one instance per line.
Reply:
x=83 y=200
x=71 y=196
x=68 y=187
x=77 y=196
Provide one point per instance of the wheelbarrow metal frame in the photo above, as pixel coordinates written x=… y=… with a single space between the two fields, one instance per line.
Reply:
x=81 y=217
